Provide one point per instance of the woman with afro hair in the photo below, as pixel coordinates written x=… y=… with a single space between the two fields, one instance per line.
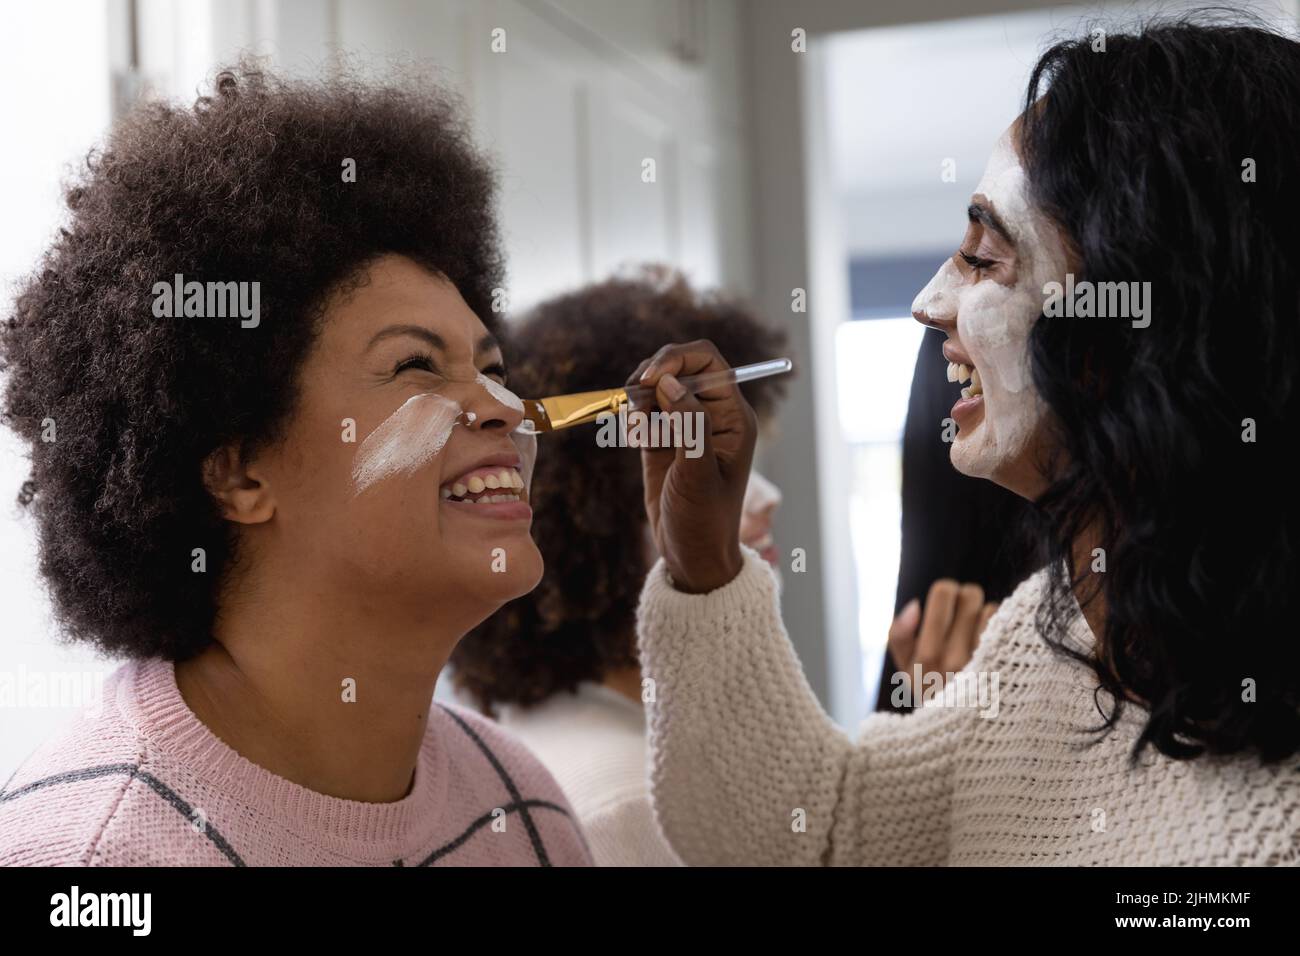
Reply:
x=278 y=516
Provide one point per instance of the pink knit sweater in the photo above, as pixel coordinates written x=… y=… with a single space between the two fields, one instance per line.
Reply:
x=147 y=783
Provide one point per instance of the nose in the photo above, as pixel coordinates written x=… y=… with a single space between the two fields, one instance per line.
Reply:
x=943 y=322
x=936 y=305
x=490 y=406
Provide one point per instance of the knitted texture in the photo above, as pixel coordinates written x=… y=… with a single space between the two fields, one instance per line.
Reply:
x=593 y=742
x=748 y=769
x=145 y=782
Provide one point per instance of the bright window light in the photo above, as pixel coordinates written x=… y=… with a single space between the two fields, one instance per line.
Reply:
x=56 y=106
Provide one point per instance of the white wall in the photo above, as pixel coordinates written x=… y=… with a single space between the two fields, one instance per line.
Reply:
x=74 y=88
x=583 y=92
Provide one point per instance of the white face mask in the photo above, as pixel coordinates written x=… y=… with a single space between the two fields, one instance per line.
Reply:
x=994 y=320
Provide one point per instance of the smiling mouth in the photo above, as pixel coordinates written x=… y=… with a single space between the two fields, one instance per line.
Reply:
x=966 y=373
x=485 y=486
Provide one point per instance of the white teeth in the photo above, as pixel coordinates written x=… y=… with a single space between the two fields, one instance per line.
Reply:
x=965 y=392
x=960 y=373
x=506 y=479
x=491 y=499
x=976 y=388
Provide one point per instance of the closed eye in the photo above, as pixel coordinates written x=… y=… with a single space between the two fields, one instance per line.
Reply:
x=975 y=262
x=421 y=361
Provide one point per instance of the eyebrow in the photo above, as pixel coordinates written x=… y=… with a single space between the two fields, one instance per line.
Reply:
x=485 y=344
x=979 y=212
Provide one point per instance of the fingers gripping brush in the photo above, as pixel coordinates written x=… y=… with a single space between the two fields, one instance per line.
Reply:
x=543 y=415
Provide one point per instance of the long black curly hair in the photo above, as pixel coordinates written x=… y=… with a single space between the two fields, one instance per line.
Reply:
x=577 y=624
x=247 y=185
x=1171 y=158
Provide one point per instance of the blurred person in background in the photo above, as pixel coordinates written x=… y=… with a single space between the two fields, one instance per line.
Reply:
x=559 y=667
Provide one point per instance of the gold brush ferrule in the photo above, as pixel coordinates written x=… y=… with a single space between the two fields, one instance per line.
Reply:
x=564 y=411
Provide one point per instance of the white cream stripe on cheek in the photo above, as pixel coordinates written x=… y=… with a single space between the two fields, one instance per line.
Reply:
x=405 y=440
x=500 y=392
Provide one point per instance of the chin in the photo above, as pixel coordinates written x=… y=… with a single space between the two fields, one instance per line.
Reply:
x=522 y=572
x=977 y=457
x=973 y=456
x=527 y=577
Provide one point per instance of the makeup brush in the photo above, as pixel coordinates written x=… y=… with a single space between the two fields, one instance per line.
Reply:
x=564 y=411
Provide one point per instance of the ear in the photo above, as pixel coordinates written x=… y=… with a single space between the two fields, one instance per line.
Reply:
x=244 y=498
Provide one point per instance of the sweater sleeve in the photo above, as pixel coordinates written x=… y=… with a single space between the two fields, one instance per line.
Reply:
x=746 y=766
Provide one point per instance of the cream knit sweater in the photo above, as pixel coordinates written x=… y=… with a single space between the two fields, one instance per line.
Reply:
x=748 y=769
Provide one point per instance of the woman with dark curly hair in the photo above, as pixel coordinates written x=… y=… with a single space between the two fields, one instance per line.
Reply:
x=273 y=465
x=558 y=667
x=1137 y=701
